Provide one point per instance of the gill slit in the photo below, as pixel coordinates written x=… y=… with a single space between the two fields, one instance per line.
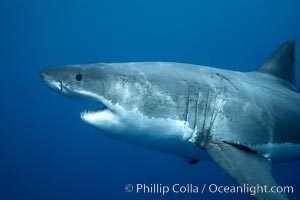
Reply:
x=197 y=108
x=187 y=105
x=202 y=141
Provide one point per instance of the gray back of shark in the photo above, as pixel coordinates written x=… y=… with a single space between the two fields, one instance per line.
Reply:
x=243 y=121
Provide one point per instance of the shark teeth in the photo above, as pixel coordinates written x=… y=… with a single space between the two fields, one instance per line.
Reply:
x=87 y=112
x=105 y=105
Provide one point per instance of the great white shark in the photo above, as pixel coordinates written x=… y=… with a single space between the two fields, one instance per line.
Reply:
x=243 y=121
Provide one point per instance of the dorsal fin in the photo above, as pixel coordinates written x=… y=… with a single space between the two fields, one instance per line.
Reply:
x=281 y=63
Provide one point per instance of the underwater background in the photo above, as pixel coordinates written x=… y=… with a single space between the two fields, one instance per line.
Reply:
x=47 y=152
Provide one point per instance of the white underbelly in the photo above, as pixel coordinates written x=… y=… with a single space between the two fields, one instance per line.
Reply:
x=165 y=135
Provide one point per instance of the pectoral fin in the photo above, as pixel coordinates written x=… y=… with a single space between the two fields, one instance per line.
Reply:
x=244 y=167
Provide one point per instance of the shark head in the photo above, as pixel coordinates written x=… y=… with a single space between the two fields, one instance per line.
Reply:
x=133 y=107
x=84 y=83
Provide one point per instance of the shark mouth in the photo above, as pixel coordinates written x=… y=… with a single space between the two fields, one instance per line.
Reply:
x=102 y=104
x=101 y=108
x=87 y=114
x=102 y=117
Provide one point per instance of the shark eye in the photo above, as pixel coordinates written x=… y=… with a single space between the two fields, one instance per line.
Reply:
x=79 y=77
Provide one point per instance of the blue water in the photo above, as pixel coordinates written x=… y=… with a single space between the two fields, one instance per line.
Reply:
x=47 y=152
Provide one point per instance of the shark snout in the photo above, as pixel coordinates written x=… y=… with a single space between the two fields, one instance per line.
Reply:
x=51 y=82
x=42 y=74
